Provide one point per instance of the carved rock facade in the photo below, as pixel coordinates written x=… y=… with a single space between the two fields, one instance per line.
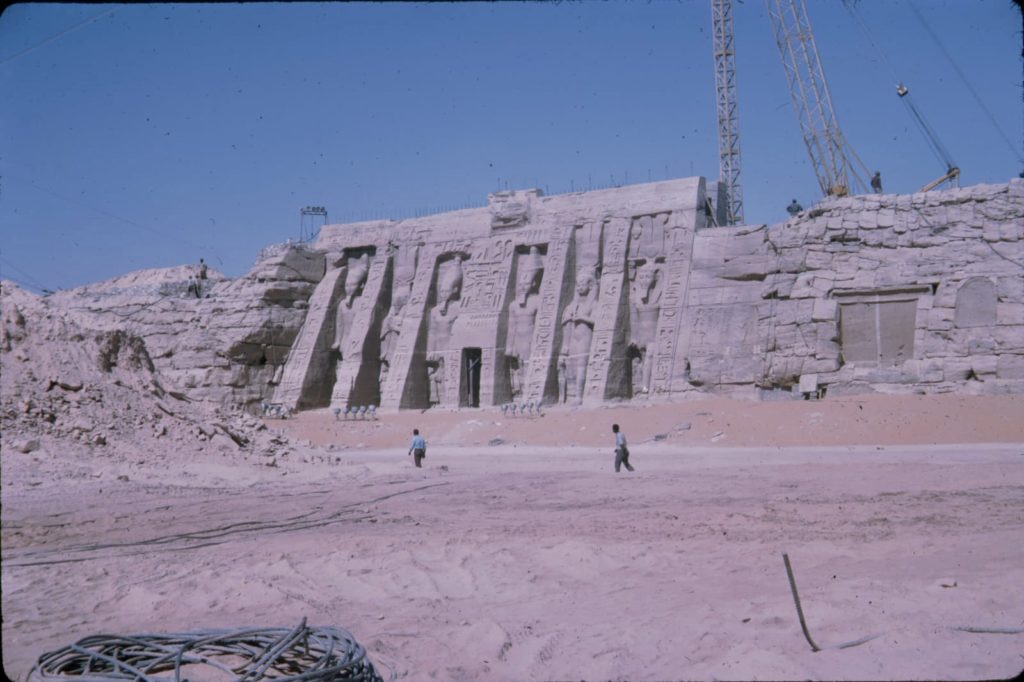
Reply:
x=618 y=294
x=625 y=294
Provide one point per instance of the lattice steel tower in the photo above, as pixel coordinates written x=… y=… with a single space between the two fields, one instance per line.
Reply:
x=830 y=154
x=728 y=113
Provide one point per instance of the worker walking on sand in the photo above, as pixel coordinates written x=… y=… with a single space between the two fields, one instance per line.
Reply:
x=418 y=448
x=621 y=450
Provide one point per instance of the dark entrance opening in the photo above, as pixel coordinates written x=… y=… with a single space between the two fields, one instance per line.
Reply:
x=469 y=396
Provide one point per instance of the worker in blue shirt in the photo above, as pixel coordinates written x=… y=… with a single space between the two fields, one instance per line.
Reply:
x=418 y=448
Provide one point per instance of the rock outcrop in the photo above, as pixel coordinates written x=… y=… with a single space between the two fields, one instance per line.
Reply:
x=227 y=345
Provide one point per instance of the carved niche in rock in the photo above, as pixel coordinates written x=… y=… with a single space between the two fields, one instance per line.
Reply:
x=577 y=334
x=647 y=249
x=578 y=318
x=356 y=268
x=441 y=318
x=522 y=318
x=645 y=308
x=404 y=260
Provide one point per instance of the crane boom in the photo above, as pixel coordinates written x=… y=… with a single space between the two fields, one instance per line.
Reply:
x=830 y=153
x=727 y=109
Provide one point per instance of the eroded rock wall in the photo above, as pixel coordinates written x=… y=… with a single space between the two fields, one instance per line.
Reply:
x=229 y=344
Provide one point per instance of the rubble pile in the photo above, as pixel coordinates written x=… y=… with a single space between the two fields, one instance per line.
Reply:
x=66 y=388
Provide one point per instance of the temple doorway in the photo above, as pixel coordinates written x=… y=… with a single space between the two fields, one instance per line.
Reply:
x=469 y=396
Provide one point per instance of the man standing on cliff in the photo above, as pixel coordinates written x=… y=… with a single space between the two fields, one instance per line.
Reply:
x=418 y=448
x=621 y=450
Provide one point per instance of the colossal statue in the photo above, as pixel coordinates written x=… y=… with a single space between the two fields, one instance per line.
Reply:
x=404 y=260
x=522 y=318
x=439 y=329
x=390 y=330
x=645 y=306
x=577 y=333
x=356 y=270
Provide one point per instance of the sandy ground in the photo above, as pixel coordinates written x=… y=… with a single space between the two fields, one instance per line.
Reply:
x=530 y=559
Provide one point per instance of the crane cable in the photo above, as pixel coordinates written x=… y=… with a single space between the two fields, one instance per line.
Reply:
x=934 y=143
x=967 y=83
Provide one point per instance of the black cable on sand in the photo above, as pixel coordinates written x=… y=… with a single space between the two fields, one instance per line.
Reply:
x=302 y=654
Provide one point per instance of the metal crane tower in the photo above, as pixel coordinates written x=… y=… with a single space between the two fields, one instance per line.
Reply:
x=830 y=154
x=728 y=114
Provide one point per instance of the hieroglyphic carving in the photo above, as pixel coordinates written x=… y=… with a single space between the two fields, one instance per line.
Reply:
x=609 y=337
x=647 y=255
x=546 y=327
x=578 y=318
x=673 y=297
x=361 y=320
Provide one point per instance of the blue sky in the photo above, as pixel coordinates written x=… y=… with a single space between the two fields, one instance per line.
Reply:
x=157 y=134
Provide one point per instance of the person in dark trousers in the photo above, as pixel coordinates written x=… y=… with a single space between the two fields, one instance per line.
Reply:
x=876 y=182
x=418 y=448
x=202 y=269
x=621 y=450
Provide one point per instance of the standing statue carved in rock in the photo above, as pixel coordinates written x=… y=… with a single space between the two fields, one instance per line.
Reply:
x=356 y=271
x=645 y=307
x=442 y=317
x=390 y=330
x=404 y=260
x=522 y=318
x=577 y=333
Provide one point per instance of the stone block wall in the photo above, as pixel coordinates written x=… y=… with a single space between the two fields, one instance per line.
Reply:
x=899 y=293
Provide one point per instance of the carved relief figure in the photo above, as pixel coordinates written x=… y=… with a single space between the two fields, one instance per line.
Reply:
x=442 y=317
x=577 y=333
x=522 y=317
x=356 y=270
x=391 y=328
x=645 y=306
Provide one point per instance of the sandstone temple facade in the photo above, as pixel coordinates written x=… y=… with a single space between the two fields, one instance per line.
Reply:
x=624 y=294
x=630 y=294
